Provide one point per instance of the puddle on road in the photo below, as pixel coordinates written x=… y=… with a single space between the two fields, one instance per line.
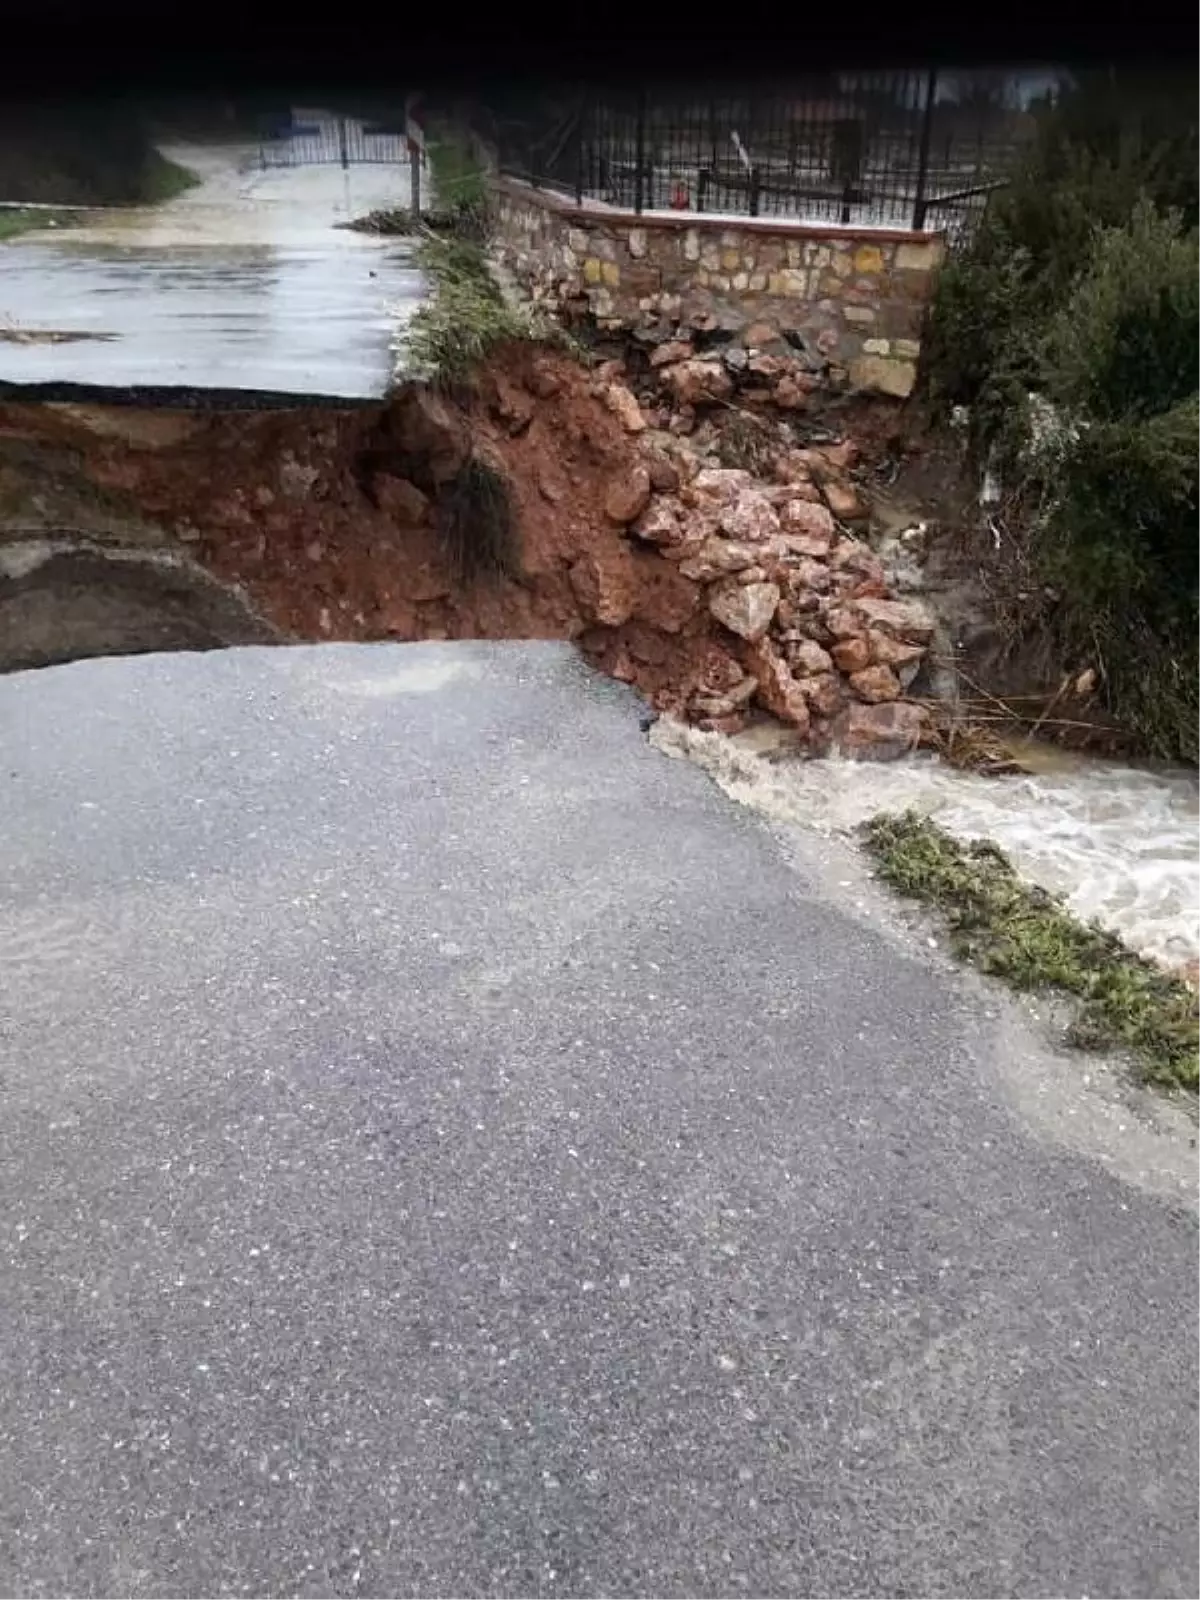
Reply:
x=423 y=677
x=1118 y=842
x=49 y=335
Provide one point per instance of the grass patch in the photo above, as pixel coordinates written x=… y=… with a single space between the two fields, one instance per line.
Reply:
x=477 y=525
x=460 y=184
x=467 y=317
x=92 y=153
x=16 y=220
x=163 y=179
x=1018 y=932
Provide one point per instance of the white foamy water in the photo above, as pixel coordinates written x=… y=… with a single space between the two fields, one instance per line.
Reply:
x=1118 y=843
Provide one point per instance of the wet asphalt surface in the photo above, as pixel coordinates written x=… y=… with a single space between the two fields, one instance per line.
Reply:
x=245 y=283
x=448 y=1149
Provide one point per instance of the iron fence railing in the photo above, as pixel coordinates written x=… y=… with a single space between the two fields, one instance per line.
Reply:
x=911 y=149
x=323 y=139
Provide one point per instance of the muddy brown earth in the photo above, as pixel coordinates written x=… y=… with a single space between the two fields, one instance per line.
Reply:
x=717 y=591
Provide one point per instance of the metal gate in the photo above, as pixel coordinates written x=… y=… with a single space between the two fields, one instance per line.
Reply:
x=307 y=138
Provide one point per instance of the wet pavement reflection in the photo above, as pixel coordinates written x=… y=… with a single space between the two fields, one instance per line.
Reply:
x=245 y=282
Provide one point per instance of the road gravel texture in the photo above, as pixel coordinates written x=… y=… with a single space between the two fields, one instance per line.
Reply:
x=448 y=1148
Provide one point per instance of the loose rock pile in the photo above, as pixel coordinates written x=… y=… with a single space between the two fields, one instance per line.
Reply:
x=757 y=368
x=807 y=628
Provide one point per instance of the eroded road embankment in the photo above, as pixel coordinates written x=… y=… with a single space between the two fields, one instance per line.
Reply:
x=547 y=503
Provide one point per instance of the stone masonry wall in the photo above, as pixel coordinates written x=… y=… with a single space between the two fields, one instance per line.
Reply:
x=854 y=300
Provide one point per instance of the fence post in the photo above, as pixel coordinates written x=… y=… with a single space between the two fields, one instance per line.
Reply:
x=921 y=204
x=755 y=190
x=415 y=139
x=639 y=181
x=582 y=140
x=847 y=156
x=702 y=183
x=343 y=152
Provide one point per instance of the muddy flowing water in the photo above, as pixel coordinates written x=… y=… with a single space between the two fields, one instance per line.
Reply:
x=1119 y=842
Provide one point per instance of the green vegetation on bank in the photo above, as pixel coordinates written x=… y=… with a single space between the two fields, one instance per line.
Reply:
x=465 y=320
x=1024 y=935
x=162 y=179
x=1070 y=329
x=81 y=155
x=466 y=317
x=460 y=185
x=15 y=220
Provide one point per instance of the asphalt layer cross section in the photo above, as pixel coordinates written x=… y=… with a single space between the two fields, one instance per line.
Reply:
x=177 y=397
x=448 y=1148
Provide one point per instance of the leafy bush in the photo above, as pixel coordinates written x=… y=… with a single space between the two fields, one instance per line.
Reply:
x=1118 y=541
x=1118 y=537
x=1078 y=303
x=988 y=323
x=1125 y=342
x=467 y=316
x=90 y=154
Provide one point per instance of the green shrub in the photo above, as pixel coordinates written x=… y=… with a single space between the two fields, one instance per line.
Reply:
x=1080 y=290
x=1124 y=343
x=988 y=324
x=1110 y=143
x=1118 y=541
x=1118 y=537
x=90 y=154
x=467 y=316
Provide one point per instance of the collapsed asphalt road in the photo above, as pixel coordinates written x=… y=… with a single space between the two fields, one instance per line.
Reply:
x=447 y=1148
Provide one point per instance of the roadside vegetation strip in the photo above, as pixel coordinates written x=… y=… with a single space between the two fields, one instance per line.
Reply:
x=15 y=220
x=1021 y=933
x=460 y=184
x=163 y=179
x=467 y=316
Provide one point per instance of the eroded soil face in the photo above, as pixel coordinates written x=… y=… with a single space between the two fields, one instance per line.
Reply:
x=714 y=590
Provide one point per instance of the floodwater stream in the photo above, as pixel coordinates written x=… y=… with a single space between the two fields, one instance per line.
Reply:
x=1118 y=842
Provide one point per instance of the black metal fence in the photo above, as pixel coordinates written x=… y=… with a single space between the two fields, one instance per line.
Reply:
x=299 y=138
x=911 y=149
